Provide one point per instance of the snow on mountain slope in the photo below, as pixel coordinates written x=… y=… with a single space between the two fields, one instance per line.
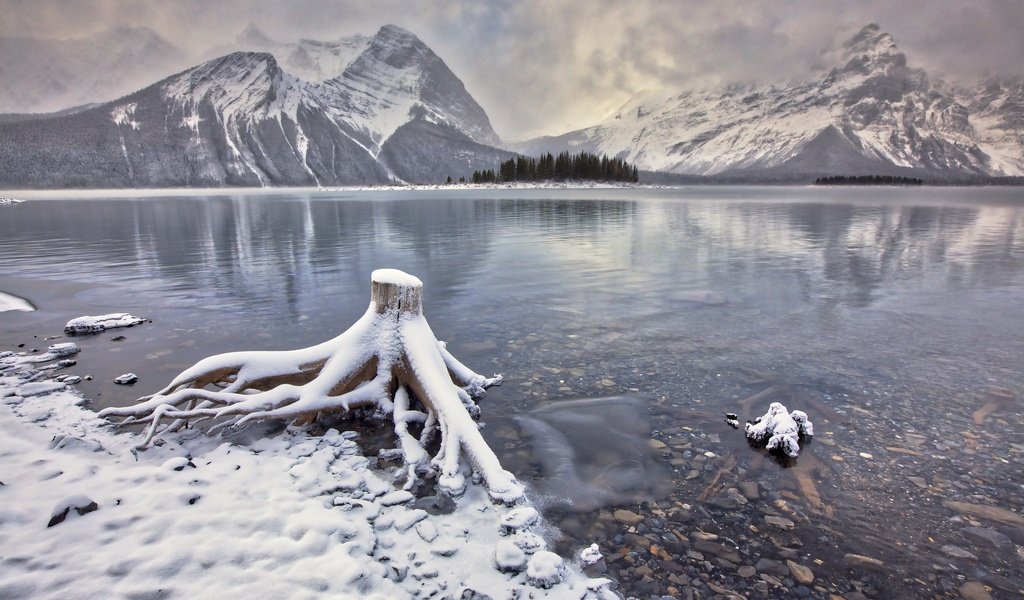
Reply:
x=45 y=75
x=997 y=115
x=870 y=113
x=242 y=119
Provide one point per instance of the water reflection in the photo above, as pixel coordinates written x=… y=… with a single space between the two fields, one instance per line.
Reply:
x=872 y=310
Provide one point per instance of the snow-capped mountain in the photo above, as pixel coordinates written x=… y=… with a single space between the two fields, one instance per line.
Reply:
x=870 y=113
x=46 y=75
x=383 y=108
x=997 y=114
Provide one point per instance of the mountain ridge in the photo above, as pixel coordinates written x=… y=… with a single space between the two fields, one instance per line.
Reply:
x=869 y=112
x=240 y=119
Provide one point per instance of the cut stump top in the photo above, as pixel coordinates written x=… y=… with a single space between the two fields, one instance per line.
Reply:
x=391 y=289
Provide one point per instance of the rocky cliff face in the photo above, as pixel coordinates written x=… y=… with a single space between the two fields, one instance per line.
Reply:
x=869 y=113
x=242 y=119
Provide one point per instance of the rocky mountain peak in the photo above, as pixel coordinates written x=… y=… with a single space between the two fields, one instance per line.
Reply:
x=871 y=49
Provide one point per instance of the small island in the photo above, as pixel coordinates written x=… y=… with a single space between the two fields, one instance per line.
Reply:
x=867 y=180
x=583 y=166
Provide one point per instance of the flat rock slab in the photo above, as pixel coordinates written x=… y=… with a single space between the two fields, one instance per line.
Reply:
x=972 y=590
x=984 y=511
x=859 y=561
x=627 y=516
x=992 y=537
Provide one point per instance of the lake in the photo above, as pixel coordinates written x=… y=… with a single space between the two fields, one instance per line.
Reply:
x=626 y=322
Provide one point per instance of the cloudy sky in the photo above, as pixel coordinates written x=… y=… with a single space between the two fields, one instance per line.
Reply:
x=545 y=66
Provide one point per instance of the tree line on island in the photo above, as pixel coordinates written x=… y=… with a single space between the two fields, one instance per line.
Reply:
x=548 y=167
x=867 y=180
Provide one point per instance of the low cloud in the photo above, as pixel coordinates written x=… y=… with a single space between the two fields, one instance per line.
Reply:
x=539 y=66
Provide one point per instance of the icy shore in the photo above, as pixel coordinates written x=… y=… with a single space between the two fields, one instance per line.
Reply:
x=12 y=302
x=287 y=516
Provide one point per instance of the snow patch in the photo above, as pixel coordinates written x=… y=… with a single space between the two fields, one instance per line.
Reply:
x=12 y=302
x=88 y=324
x=124 y=114
x=205 y=517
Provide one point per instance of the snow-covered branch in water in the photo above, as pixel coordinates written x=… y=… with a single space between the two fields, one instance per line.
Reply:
x=781 y=429
x=389 y=360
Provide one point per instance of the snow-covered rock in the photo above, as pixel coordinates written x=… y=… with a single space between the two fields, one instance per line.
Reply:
x=508 y=557
x=545 y=569
x=96 y=324
x=126 y=379
x=64 y=349
x=519 y=519
x=591 y=555
x=81 y=504
x=780 y=429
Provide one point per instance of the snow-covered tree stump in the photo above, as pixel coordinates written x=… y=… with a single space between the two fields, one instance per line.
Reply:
x=388 y=360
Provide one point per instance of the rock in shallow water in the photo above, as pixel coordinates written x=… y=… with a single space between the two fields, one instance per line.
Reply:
x=96 y=324
x=126 y=379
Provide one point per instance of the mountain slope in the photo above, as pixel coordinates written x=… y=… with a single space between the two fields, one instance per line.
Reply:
x=243 y=120
x=871 y=113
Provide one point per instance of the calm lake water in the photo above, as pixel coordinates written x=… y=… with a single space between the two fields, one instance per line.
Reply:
x=893 y=317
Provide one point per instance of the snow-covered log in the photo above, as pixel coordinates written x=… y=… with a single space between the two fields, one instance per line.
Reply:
x=388 y=360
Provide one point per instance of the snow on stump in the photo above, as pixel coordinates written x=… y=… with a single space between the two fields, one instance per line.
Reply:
x=389 y=360
x=781 y=429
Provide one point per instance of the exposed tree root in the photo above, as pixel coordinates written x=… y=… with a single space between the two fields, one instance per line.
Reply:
x=388 y=360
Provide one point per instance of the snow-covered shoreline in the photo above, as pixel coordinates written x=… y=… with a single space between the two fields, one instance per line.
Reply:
x=234 y=191
x=12 y=302
x=289 y=515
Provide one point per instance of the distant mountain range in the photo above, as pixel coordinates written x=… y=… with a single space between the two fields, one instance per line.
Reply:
x=868 y=114
x=382 y=108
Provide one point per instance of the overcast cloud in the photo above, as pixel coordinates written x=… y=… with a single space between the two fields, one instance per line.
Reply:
x=540 y=66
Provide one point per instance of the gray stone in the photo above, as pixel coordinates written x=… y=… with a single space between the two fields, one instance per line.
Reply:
x=800 y=573
x=859 y=561
x=780 y=522
x=627 y=516
x=984 y=535
x=750 y=489
x=772 y=567
x=972 y=590
x=746 y=571
x=957 y=552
